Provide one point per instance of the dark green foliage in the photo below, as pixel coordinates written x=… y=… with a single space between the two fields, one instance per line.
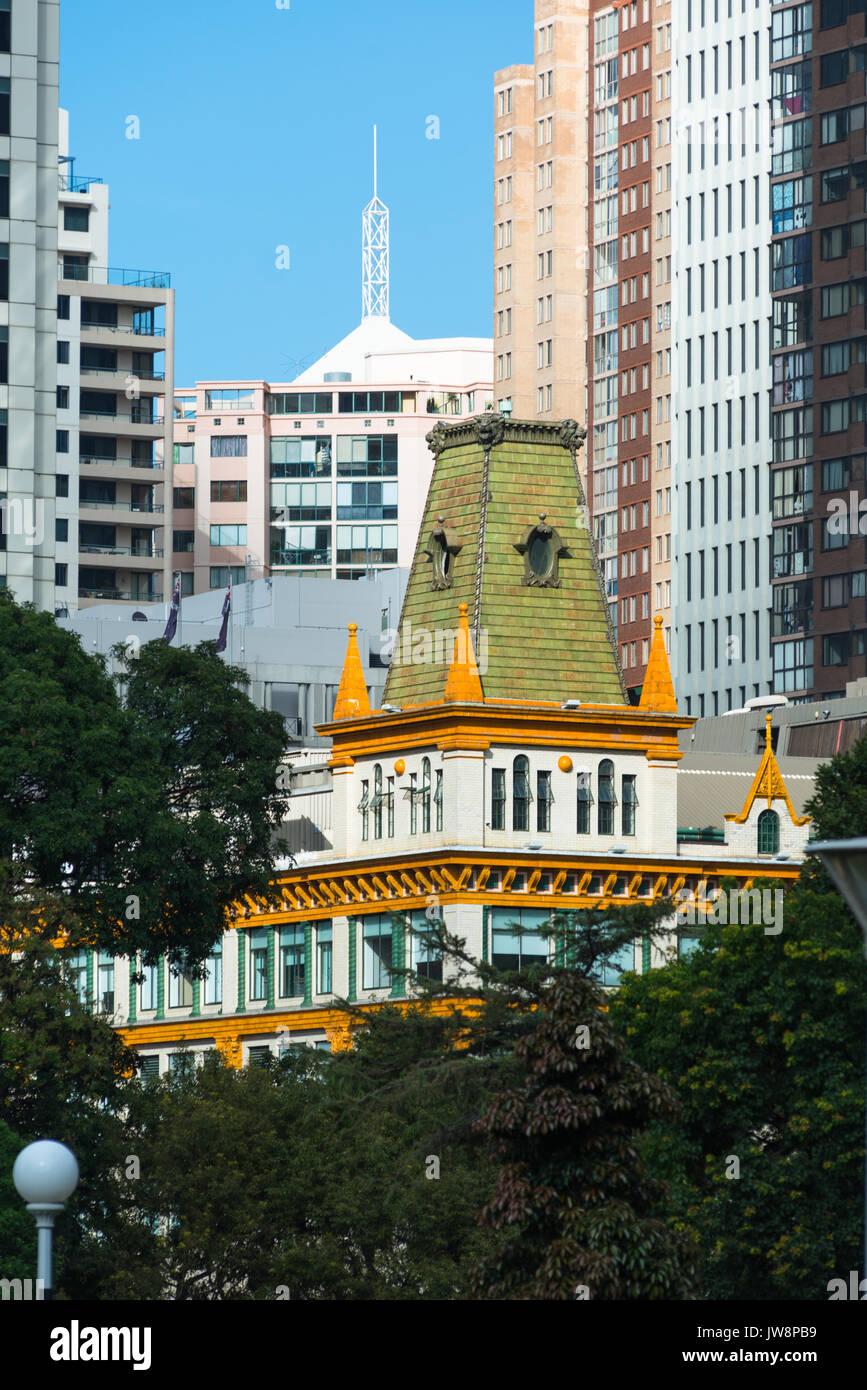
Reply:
x=762 y=1037
x=153 y=816
x=577 y=1210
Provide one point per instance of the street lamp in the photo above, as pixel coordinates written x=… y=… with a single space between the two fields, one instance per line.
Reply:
x=846 y=862
x=45 y=1174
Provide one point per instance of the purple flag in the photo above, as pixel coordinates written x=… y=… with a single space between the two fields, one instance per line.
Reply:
x=172 y=624
x=224 y=626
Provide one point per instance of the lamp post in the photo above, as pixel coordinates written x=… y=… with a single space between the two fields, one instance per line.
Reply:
x=45 y=1174
x=846 y=862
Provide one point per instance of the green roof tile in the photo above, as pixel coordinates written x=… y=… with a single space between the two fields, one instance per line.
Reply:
x=532 y=643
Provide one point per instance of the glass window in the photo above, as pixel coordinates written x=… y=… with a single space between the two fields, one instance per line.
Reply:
x=299 y=403
x=232 y=490
x=258 y=963
x=228 y=535
x=438 y=799
x=293 y=962
x=792 y=204
x=630 y=803
x=608 y=972
x=424 y=957
x=519 y=937
x=180 y=987
x=376 y=803
x=183 y=497
x=304 y=456
x=376 y=952
x=585 y=801
x=213 y=981
x=498 y=798
x=105 y=983
x=324 y=957
x=425 y=794
x=607 y=799
x=769 y=833
x=544 y=801
x=231 y=399
x=372 y=455
x=76 y=974
x=521 y=794
x=228 y=446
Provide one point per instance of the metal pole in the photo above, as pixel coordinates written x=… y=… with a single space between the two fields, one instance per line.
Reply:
x=45 y=1214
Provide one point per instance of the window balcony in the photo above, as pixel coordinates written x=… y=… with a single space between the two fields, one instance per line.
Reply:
x=114 y=275
x=141 y=552
x=135 y=330
x=124 y=595
x=122 y=371
x=75 y=183
x=98 y=461
x=123 y=506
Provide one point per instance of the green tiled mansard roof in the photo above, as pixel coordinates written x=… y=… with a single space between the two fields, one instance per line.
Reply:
x=492 y=480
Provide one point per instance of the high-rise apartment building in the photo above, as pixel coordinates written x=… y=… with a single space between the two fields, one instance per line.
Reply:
x=819 y=287
x=667 y=355
x=28 y=295
x=325 y=476
x=114 y=414
x=720 y=307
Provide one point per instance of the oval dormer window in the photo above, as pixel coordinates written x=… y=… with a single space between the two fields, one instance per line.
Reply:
x=540 y=555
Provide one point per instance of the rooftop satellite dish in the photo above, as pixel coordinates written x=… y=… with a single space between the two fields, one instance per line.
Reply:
x=139 y=617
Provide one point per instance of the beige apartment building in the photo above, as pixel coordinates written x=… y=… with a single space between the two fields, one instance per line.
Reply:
x=115 y=335
x=582 y=278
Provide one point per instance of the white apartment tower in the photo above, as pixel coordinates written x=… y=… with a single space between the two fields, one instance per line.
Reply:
x=721 y=376
x=28 y=295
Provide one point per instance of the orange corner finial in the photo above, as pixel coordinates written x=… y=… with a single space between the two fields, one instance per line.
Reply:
x=352 y=699
x=657 y=692
x=769 y=719
x=464 y=682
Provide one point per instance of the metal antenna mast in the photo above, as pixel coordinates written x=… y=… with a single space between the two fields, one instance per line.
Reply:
x=374 y=253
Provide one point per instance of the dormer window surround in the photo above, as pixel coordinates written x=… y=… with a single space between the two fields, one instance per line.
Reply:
x=442 y=549
x=541 y=548
x=768 y=831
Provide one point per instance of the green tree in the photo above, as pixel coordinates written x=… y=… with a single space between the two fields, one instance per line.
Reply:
x=64 y=1074
x=151 y=815
x=576 y=1209
x=761 y=1036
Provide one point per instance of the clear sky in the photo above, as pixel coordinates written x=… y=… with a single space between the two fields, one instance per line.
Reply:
x=255 y=133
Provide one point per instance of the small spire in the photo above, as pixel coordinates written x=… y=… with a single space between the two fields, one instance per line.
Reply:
x=769 y=745
x=657 y=692
x=352 y=699
x=464 y=682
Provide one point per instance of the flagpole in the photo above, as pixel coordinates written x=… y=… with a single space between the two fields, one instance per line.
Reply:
x=180 y=611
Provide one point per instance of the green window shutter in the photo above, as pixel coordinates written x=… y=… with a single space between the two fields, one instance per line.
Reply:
x=161 y=988
x=353 y=959
x=133 y=988
x=241 y=943
x=309 y=962
x=269 y=971
x=398 y=957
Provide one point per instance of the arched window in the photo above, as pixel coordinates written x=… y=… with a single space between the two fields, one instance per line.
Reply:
x=377 y=802
x=769 y=833
x=585 y=801
x=521 y=794
x=425 y=795
x=607 y=799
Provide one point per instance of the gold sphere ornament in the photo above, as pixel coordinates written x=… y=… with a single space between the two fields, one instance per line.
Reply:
x=565 y=763
x=400 y=767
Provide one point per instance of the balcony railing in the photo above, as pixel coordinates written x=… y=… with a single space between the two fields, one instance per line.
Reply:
x=122 y=371
x=123 y=506
x=137 y=550
x=133 y=418
x=98 y=461
x=124 y=594
x=75 y=183
x=122 y=328
x=114 y=275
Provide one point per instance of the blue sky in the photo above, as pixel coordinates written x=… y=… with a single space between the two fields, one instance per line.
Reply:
x=255 y=133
